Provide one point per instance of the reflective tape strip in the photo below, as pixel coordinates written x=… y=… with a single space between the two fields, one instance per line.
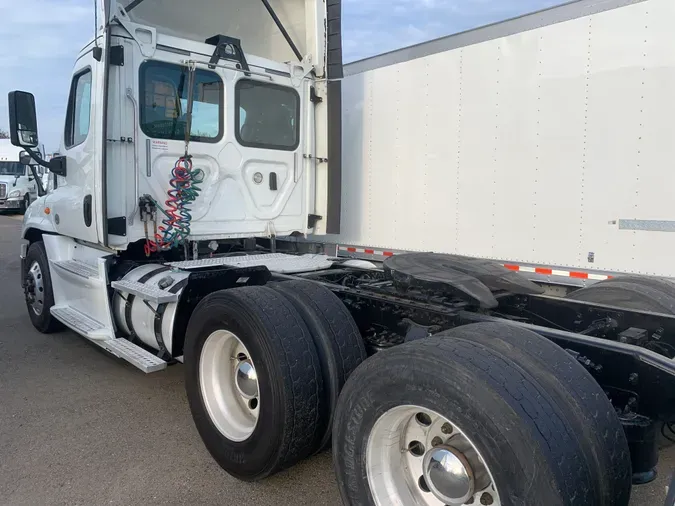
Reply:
x=366 y=251
x=545 y=271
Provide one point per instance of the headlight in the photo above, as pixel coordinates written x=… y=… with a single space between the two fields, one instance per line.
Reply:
x=14 y=193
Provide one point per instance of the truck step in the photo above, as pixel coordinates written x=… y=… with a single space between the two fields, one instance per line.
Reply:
x=81 y=323
x=78 y=268
x=135 y=355
x=145 y=292
x=275 y=262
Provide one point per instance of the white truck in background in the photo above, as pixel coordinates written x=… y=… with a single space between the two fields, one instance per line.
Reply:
x=218 y=164
x=17 y=182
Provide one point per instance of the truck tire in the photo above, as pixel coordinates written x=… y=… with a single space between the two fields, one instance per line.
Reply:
x=631 y=292
x=37 y=285
x=25 y=203
x=457 y=402
x=337 y=339
x=253 y=381
x=590 y=412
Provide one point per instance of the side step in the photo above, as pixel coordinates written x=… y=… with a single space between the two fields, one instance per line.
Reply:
x=135 y=355
x=145 y=292
x=78 y=268
x=81 y=323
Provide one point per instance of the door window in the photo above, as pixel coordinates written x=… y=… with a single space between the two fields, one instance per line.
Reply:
x=267 y=115
x=78 y=117
x=164 y=103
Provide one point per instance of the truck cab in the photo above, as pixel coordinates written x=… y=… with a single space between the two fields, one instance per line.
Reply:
x=17 y=184
x=244 y=101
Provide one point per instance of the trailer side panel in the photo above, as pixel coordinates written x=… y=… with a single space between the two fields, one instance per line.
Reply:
x=548 y=146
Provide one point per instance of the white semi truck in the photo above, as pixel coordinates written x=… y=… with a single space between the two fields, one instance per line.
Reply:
x=17 y=182
x=220 y=166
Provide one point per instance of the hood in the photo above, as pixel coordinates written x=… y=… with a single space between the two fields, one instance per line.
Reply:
x=9 y=180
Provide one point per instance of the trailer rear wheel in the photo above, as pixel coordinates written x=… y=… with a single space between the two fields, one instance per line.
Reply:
x=588 y=410
x=631 y=292
x=430 y=422
x=37 y=285
x=253 y=381
x=337 y=338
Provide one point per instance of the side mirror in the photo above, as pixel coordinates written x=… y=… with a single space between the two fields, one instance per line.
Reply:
x=23 y=129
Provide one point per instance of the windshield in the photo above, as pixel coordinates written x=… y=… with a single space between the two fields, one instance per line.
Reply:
x=12 y=169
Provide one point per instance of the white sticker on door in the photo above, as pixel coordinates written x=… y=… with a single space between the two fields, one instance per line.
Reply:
x=160 y=145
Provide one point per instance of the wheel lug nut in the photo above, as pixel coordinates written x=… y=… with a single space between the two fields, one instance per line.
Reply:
x=437 y=441
x=416 y=448
x=446 y=428
x=486 y=499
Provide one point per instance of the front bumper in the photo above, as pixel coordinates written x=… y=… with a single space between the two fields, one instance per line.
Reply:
x=10 y=203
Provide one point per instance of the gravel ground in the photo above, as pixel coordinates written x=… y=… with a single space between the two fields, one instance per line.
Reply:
x=78 y=427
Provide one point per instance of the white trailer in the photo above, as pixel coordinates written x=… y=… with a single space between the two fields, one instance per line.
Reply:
x=217 y=157
x=17 y=182
x=543 y=141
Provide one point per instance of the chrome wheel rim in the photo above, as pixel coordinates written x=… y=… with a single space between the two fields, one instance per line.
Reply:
x=35 y=289
x=417 y=457
x=229 y=385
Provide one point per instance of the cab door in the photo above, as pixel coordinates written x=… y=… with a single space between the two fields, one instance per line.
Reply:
x=269 y=132
x=73 y=204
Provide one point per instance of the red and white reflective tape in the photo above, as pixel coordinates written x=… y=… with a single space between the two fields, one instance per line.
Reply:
x=366 y=251
x=545 y=271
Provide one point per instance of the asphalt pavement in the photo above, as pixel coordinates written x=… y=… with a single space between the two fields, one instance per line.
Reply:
x=78 y=427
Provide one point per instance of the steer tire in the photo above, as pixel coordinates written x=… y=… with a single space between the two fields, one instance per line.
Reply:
x=288 y=373
x=25 y=204
x=509 y=413
x=44 y=321
x=587 y=410
x=640 y=293
x=337 y=338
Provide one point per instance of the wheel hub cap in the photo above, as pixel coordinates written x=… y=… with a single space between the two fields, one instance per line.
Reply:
x=417 y=457
x=229 y=385
x=448 y=475
x=34 y=288
x=247 y=380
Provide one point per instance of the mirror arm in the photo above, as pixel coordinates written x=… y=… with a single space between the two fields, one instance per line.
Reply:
x=38 y=181
x=35 y=157
x=33 y=169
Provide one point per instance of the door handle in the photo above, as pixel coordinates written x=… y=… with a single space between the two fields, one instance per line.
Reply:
x=273 y=181
x=86 y=209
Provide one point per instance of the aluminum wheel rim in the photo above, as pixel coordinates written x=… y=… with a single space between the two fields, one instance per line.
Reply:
x=35 y=289
x=401 y=468
x=229 y=386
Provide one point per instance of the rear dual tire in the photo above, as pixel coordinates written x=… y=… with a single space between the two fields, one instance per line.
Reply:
x=302 y=345
x=527 y=426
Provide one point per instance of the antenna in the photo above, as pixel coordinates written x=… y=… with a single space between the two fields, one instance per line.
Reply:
x=98 y=51
x=96 y=23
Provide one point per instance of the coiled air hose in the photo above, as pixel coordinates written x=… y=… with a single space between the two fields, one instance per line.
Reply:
x=184 y=190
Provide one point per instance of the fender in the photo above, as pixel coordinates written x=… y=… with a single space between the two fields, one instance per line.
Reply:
x=37 y=219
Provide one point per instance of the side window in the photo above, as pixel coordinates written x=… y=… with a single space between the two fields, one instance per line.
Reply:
x=78 y=117
x=267 y=115
x=164 y=101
